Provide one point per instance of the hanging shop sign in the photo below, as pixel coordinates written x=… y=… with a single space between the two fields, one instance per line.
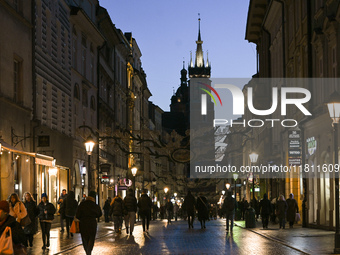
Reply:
x=311 y=145
x=294 y=147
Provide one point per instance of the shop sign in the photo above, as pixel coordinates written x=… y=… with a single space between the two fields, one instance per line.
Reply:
x=294 y=161
x=105 y=179
x=311 y=145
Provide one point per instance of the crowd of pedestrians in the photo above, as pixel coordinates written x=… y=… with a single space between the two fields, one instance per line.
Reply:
x=22 y=217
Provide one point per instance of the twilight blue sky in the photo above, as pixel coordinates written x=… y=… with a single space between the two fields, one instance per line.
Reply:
x=166 y=32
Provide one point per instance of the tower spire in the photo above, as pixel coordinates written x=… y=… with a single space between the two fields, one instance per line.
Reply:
x=199 y=61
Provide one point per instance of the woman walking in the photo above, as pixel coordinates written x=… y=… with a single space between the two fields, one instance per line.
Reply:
x=117 y=212
x=202 y=209
x=46 y=216
x=130 y=206
x=32 y=211
x=292 y=210
x=281 y=210
x=70 y=205
x=169 y=209
x=16 y=207
x=87 y=213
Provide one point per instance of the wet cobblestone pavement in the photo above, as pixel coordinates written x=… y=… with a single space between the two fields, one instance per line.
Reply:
x=178 y=239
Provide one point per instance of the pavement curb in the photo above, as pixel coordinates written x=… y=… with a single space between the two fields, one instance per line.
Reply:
x=273 y=239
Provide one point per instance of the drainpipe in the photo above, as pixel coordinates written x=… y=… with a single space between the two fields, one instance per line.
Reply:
x=283 y=36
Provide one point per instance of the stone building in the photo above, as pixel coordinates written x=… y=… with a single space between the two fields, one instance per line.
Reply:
x=299 y=39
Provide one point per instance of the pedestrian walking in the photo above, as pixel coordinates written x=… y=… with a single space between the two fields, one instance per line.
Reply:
x=32 y=211
x=16 y=207
x=46 y=216
x=265 y=209
x=202 y=209
x=155 y=211
x=169 y=209
x=87 y=213
x=130 y=209
x=281 y=210
x=116 y=211
x=245 y=206
x=189 y=206
x=292 y=210
x=62 y=209
x=106 y=209
x=70 y=204
x=144 y=204
x=6 y=220
x=176 y=209
x=229 y=207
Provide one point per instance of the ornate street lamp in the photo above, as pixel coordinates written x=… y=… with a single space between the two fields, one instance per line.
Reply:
x=253 y=159
x=89 y=145
x=223 y=192
x=134 y=172
x=166 y=190
x=333 y=105
x=227 y=186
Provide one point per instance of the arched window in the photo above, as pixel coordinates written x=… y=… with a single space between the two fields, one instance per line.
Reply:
x=76 y=93
x=93 y=103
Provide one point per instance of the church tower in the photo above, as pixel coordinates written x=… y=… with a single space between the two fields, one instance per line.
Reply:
x=199 y=70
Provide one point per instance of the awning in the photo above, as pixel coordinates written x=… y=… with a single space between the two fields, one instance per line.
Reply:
x=40 y=159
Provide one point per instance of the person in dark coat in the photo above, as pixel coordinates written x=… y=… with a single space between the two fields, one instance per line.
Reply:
x=229 y=207
x=106 y=209
x=87 y=213
x=281 y=210
x=32 y=211
x=189 y=206
x=6 y=220
x=70 y=205
x=169 y=209
x=130 y=207
x=245 y=205
x=202 y=209
x=62 y=209
x=117 y=210
x=46 y=216
x=265 y=209
x=292 y=210
x=144 y=205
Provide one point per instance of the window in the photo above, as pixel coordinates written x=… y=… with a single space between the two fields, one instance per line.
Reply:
x=92 y=65
x=74 y=49
x=76 y=93
x=17 y=5
x=17 y=81
x=84 y=99
x=83 y=55
x=93 y=103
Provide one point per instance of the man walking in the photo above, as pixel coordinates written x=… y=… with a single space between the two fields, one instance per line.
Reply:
x=189 y=205
x=229 y=207
x=62 y=209
x=144 y=205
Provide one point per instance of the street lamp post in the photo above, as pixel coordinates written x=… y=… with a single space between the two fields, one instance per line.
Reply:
x=134 y=172
x=227 y=186
x=83 y=178
x=235 y=178
x=333 y=105
x=253 y=158
x=166 y=191
x=89 y=145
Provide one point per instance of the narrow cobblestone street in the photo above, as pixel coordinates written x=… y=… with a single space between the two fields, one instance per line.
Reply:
x=178 y=239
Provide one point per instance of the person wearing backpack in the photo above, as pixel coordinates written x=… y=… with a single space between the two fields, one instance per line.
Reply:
x=229 y=207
